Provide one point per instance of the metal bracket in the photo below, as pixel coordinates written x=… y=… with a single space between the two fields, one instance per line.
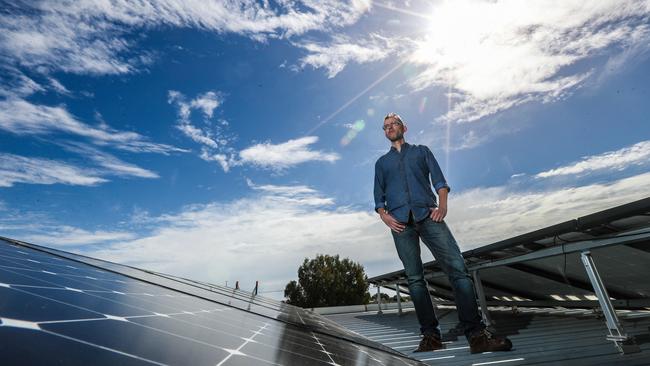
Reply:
x=379 y=300
x=399 y=299
x=623 y=342
x=487 y=319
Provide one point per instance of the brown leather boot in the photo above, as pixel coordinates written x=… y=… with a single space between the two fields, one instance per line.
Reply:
x=429 y=343
x=484 y=341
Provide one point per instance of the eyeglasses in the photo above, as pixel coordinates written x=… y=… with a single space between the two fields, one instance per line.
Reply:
x=391 y=124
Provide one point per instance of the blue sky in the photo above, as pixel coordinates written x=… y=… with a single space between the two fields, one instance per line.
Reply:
x=229 y=142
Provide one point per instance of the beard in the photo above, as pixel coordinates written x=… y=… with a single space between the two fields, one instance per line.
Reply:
x=398 y=136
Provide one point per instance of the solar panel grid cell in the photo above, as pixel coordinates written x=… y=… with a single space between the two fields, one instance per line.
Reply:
x=54 y=310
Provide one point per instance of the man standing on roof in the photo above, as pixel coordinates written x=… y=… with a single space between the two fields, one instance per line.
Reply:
x=406 y=204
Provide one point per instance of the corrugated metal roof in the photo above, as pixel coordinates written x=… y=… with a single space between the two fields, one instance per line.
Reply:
x=541 y=336
x=596 y=261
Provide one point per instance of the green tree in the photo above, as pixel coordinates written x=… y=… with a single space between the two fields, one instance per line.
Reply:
x=328 y=281
x=384 y=298
x=402 y=297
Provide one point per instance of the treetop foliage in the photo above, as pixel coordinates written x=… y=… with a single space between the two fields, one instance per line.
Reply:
x=328 y=281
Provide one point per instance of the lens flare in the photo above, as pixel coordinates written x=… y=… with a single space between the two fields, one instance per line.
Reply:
x=423 y=104
x=353 y=131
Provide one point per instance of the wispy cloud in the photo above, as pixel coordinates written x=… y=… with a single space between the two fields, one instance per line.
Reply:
x=91 y=36
x=530 y=47
x=33 y=170
x=275 y=225
x=284 y=155
x=22 y=117
x=337 y=53
x=63 y=236
x=19 y=169
x=212 y=136
x=635 y=155
x=215 y=141
x=495 y=55
x=225 y=161
x=297 y=194
x=58 y=87
x=207 y=103
x=281 y=225
x=14 y=83
x=484 y=215
x=107 y=164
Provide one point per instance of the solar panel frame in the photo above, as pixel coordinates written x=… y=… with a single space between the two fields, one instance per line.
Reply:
x=552 y=257
x=48 y=294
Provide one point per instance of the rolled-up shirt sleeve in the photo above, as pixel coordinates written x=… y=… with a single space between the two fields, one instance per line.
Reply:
x=380 y=193
x=437 y=178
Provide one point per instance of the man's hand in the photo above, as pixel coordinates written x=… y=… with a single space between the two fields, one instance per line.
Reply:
x=390 y=221
x=438 y=213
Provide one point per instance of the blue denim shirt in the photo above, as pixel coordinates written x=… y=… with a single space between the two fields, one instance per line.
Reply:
x=402 y=182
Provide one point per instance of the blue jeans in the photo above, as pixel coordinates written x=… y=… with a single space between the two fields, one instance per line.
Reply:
x=437 y=237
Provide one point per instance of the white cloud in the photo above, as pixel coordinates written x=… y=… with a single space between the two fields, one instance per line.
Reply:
x=484 y=215
x=21 y=117
x=90 y=36
x=71 y=236
x=198 y=135
x=58 y=87
x=278 y=226
x=32 y=170
x=109 y=164
x=496 y=55
x=207 y=103
x=285 y=155
x=118 y=167
x=264 y=236
x=493 y=56
x=214 y=138
x=14 y=83
x=225 y=161
x=530 y=46
x=296 y=194
x=335 y=55
x=635 y=155
x=19 y=169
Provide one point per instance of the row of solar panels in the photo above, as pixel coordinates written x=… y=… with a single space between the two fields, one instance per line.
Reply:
x=543 y=267
x=62 y=308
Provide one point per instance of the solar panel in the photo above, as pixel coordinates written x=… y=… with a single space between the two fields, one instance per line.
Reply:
x=61 y=308
x=545 y=265
x=595 y=261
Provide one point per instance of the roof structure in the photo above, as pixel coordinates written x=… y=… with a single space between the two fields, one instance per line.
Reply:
x=62 y=308
x=598 y=261
x=540 y=336
x=555 y=292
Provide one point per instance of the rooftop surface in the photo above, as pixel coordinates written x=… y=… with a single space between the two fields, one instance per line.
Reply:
x=541 y=336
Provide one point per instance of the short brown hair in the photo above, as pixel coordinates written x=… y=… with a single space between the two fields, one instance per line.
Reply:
x=394 y=115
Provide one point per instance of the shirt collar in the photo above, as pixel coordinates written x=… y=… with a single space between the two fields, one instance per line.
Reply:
x=404 y=147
